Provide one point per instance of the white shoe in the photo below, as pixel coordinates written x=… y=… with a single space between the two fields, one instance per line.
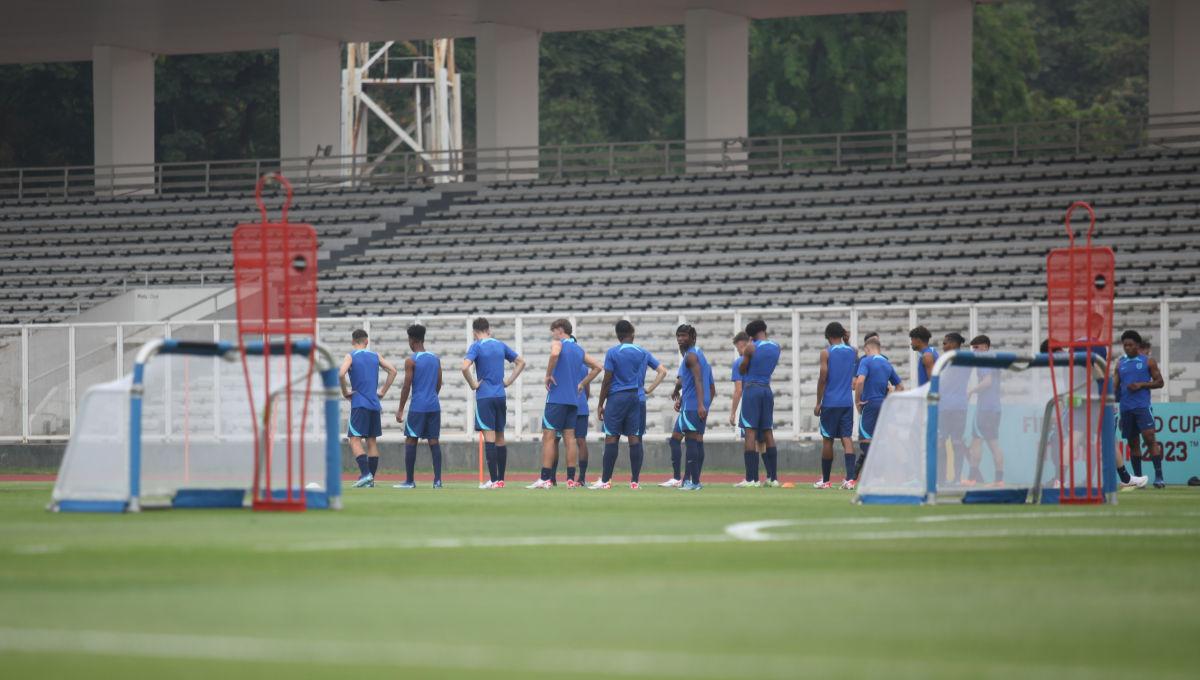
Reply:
x=486 y=485
x=671 y=483
x=822 y=484
x=599 y=485
x=540 y=484
x=746 y=484
x=1136 y=482
x=848 y=484
x=772 y=483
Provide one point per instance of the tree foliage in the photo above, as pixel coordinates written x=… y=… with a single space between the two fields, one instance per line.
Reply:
x=1033 y=59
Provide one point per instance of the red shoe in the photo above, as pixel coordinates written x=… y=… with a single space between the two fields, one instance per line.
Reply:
x=499 y=484
x=571 y=484
x=634 y=486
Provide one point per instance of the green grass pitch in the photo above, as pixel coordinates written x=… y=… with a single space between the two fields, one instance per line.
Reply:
x=649 y=584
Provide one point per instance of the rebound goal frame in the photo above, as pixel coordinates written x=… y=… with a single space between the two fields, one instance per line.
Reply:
x=329 y=497
x=1106 y=486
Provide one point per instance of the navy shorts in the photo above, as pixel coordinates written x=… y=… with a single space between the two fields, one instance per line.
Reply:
x=1135 y=422
x=423 y=425
x=365 y=422
x=868 y=418
x=581 y=425
x=490 y=414
x=952 y=423
x=689 y=422
x=837 y=422
x=624 y=414
x=987 y=425
x=758 y=407
x=559 y=417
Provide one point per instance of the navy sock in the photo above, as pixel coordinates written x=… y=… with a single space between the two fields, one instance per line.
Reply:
x=501 y=461
x=636 y=456
x=826 y=468
x=545 y=474
x=862 y=458
x=1135 y=459
x=699 y=467
x=582 y=470
x=435 y=450
x=554 y=472
x=373 y=464
x=610 y=461
x=849 y=460
x=693 y=460
x=410 y=461
x=750 y=459
x=362 y=465
x=771 y=462
x=1123 y=474
x=489 y=454
x=1157 y=460
x=676 y=456
x=570 y=472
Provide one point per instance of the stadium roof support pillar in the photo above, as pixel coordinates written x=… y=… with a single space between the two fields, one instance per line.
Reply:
x=1174 y=57
x=939 y=77
x=310 y=95
x=123 y=104
x=716 y=77
x=506 y=101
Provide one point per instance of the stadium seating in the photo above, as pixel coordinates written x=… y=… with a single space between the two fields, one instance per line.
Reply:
x=659 y=249
x=951 y=233
x=64 y=256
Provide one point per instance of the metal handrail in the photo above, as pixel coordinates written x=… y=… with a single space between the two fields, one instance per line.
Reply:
x=1015 y=141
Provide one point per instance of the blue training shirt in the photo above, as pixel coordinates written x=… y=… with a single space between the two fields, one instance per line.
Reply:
x=566 y=375
x=689 y=382
x=1132 y=370
x=581 y=398
x=364 y=379
x=628 y=363
x=988 y=399
x=489 y=355
x=426 y=371
x=953 y=388
x=762 y=364
x=839 y=384
x=922 y=377
x=878 y=373
x=737 y=375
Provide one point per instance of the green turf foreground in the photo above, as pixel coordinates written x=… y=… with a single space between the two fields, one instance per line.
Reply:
x=656 y=584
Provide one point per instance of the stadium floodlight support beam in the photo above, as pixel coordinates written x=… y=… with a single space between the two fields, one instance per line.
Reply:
x=435 y=135
x=310 y=76
x=940 y=37
x=1174 y=59
x=506 y=97
x=123 y=124
x=716 y=77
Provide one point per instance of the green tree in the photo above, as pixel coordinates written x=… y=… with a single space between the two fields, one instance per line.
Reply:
x=611 y=86
x=827 y=74
x=46 y=114
x=216 y=106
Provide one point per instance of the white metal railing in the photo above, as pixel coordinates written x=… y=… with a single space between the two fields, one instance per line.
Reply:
x=1100 y=135
x=45 y=368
